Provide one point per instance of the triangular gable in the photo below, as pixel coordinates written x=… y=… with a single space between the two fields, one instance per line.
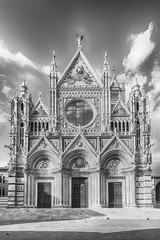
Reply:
x=39 y=109
x=114 y=84
x=79 y=72
x=120 y=109
x=115 y=143
x=80 y=142
x=43 y=144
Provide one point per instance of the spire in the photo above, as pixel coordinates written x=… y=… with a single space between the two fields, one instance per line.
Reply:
x=40 y=95
x=53 y=63
x=23 y=87
x=106 y=63
x=79 y=40
x=113 y=72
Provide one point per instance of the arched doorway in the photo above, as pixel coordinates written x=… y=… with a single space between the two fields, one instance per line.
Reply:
x=114 y=170
x=80 y=179
x=116 y=179
x=158 y=195
x=42 y=181
x=79 y=183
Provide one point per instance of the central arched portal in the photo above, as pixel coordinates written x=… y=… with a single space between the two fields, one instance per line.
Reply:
x=81 y=178
x=79 y=190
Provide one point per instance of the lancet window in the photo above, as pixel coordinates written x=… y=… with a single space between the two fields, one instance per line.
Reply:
x=22 y=134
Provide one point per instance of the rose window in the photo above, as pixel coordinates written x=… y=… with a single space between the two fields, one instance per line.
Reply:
x=79 y=113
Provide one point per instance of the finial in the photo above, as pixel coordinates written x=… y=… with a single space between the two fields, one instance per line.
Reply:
x=114 y=71
x=54 y=58
x=79 y=40
x=105 y=58
x=40 y=95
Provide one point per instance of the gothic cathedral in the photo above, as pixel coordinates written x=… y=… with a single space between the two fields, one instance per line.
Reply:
x=88 y=149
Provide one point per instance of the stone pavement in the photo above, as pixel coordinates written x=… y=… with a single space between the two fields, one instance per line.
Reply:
x=95 y=229
x=129 y=213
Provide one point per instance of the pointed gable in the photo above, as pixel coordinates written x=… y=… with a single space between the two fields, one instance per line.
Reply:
x=120 y=109
x=80 y=142
x=79 y=72
x=39 y=109
x=114 y=84
x=43 y=144
x=116 y=143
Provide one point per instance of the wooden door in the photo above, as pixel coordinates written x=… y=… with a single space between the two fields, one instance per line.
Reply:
x=79 y=192
x=44 y=195
x=115 y=194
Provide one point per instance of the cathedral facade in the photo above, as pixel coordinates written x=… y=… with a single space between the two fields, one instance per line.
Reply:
x=89 y=148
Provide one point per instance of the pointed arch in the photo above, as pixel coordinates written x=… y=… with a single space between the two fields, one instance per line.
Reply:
x=39 y=156
x=116 y=154
x=88 y=157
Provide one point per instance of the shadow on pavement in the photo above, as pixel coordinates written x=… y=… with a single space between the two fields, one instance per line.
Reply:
x=149 y=234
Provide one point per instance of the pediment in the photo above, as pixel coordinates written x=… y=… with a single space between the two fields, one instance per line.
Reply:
x=43 y=144
x=116 y=143
x=120 y=109
x=79 y=73
x=114 y=84
x=39 y=109
x=80 y=142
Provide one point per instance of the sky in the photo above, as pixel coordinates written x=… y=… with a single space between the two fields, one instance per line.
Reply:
x=30 y=30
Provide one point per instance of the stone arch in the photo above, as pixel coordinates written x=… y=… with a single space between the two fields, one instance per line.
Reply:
x=41 y=156
x=120 y=157
x=81 y=157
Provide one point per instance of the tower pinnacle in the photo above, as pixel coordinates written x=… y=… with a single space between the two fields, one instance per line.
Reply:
x=106 y=63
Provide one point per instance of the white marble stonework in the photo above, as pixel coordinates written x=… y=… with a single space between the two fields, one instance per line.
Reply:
x=87 y=148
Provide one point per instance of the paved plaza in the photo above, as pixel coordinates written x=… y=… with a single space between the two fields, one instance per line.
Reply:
x=95 y=229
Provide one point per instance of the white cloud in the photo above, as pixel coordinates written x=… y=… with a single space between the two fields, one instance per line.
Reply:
x=20 y=59
x=6 y=90
x=3 y=116
x=28 y=77
x=141 y=49
x=45 y=69
x=155 y=80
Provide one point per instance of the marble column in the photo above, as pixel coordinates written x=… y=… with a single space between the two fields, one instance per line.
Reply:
x=133 y=189
x=25 y=187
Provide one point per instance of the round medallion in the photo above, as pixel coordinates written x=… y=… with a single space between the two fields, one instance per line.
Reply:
x=79 y=113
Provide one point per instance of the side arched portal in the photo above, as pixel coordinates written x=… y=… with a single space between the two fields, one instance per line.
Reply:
x=117 y=179
x=42 y=180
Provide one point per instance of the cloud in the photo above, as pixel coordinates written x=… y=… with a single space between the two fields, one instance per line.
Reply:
x=141 y=48
x=155 y=80
x=3 y=116
x=6 y=90
x=20 y=59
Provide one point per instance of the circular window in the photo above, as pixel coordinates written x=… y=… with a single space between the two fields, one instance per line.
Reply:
x=79 y=113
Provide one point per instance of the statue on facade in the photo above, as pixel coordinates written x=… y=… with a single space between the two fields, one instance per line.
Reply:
x=79 y=40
